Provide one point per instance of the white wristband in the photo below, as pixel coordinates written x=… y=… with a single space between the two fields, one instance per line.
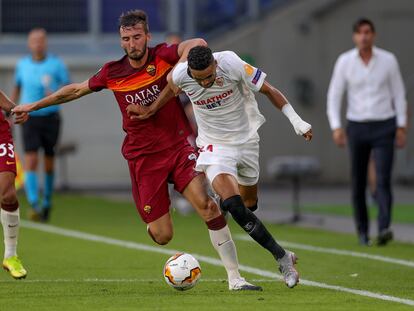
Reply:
x=301 y=127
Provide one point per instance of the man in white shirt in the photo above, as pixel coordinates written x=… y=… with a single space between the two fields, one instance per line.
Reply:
x=376 y=115
x=220 y=87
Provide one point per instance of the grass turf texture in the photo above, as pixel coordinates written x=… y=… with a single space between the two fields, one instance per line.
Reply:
x=71 y=274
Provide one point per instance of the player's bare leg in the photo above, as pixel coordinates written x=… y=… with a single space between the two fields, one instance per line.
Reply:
x=249 y=196
x=10 y=221
x=48 y=187
x=161 y=230
x=31 y=186
x=226 y=186
x=220 y=236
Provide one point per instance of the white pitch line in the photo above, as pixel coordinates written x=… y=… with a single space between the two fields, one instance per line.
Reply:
x=335 y=251
x=209 y=260
x=97 y=280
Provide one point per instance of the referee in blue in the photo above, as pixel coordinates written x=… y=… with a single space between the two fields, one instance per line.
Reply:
x=376 y=122
x=38 y=75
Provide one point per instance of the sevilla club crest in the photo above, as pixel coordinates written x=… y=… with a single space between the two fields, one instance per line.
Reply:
x=220 y=81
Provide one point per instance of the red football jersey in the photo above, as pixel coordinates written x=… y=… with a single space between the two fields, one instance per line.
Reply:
x=4 y=126
x=142 y=87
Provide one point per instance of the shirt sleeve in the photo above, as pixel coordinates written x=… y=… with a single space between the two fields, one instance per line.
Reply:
x=99 y=80
x=240 y=70
x=398 y=93
x=169 y=53
x=177 y=74
x=335 y=93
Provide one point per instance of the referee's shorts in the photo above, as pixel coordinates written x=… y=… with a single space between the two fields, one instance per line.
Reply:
x=41 y=132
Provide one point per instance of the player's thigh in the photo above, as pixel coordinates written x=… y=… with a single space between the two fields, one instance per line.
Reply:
x=248 y=166
x=50 y=134
x=197 y=194
x=182 y=160
x=149 y=187
x=219 y=163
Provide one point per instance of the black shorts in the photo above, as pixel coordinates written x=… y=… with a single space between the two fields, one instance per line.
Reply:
x=41 y=132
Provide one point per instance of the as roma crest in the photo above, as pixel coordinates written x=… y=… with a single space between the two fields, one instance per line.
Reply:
x=151 y=70
x=147 y=209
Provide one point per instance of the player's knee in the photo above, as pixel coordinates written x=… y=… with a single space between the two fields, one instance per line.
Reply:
x=9 y=200
x=161 y=238
x=233 y=203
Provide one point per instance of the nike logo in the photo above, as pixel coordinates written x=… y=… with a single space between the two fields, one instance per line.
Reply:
x=220 y=244
x=119 y=82
x=12 y=226
x=9 y=163
x=190 y=94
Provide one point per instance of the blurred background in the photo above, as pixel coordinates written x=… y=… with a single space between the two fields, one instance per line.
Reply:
x=296 y=42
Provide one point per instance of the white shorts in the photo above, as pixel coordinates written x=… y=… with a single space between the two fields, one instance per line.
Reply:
x=241 y=161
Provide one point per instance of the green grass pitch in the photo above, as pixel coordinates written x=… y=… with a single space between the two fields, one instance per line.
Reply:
x=68 y=273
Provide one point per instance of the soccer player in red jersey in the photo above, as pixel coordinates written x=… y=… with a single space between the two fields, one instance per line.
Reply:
x=10 y=218
x=156 y=149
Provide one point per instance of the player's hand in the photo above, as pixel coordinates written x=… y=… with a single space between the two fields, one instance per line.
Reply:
x=20 y=117
x=308 y=135
x=23 y=108
x=401 y=137
x=138 y=112
x=301 y=127
x=339 y=137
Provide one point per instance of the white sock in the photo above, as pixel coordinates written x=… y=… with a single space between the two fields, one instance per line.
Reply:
x=10 y=222
x=224 y=245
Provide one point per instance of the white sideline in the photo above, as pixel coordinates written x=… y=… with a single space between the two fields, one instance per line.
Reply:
x=335 y=251
x=96 y=280
x=209 y=260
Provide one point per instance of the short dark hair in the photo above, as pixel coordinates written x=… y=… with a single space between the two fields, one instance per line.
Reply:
x=361 y=22
x=200 y=57
x=133 y=17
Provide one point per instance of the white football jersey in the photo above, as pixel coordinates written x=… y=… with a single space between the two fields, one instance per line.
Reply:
x=227 y=112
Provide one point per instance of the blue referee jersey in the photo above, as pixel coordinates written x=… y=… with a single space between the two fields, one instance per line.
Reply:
x=37 y=79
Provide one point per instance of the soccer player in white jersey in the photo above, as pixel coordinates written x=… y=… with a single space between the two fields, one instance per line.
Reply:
x=221 y=87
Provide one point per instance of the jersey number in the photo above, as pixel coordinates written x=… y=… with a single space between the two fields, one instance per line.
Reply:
x=7 y=149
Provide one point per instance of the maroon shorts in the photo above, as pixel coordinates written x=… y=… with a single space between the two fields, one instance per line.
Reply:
x=7 y=157
x=150 y=175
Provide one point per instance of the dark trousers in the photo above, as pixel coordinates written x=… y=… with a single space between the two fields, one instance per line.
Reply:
x=377 y=137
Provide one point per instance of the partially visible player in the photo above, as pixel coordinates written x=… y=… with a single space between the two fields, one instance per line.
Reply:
x=10 y=218
x=221 y=87
x=156 y=149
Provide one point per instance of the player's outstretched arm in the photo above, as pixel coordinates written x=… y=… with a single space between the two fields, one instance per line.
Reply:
x=7 y=105
x=144 y=112
x=63 y=95
x=279 y=100
x=185 y=47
